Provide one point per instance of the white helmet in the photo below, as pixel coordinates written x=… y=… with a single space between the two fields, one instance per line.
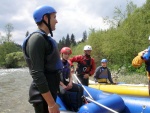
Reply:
x=87 y=47
x=149 y=38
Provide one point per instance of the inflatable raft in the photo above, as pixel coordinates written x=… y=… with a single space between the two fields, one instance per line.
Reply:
x=113 y=102
x=123 y=89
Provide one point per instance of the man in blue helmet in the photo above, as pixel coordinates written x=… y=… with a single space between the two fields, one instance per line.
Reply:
x=102 y=73
x=42 y=56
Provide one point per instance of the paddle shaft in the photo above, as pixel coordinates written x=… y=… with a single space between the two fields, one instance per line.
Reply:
x=91 y=99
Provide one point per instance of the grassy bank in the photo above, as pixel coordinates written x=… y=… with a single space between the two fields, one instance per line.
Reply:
x=133 y=79
x=129 y=78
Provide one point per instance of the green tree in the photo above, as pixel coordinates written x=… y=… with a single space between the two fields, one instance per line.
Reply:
x=27 y=33
x=6 y=48
x=59 y=44
x=84 y=36
x=8 y=29
x=121 y=43
x=119 y=15
x=63 y=41
x=15 y=60
x=73 y=41
x=67 y=41
x=2 y=39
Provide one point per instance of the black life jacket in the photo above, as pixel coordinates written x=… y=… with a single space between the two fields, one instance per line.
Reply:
x=66 y=70
x=52 y=60
x=85 y=66
x=102 y=74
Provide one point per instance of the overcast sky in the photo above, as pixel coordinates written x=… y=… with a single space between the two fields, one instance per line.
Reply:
x=74 y=16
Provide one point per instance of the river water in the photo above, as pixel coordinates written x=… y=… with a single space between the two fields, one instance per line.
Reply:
x=14 y=86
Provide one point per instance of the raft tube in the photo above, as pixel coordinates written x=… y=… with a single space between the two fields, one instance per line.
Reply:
x=133 y=104
x=113 y=102
x=123 y=89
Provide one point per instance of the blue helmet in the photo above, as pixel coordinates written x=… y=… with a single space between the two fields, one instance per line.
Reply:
x=41 y=11
x=104 y=60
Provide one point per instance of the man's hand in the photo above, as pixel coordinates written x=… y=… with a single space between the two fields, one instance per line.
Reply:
x=142 y=52
x=86 y=76
x=63 y=86
x=95 y=80
x=72 y=69
x=69 y=86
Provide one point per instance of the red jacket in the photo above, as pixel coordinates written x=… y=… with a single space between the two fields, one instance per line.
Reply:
x=81 y=59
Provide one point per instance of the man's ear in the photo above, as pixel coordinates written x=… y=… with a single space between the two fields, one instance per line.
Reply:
x=45 y=18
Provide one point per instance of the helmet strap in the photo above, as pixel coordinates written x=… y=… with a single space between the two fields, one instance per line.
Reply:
x=48 y=25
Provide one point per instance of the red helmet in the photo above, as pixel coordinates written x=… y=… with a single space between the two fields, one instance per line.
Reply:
x=66 y=50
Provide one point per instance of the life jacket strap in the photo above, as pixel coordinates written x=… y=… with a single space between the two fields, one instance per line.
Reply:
x=103 y=80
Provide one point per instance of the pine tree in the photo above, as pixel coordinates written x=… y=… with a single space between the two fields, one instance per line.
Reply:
x=84 y=36
x=73 y=42
x=68 y=43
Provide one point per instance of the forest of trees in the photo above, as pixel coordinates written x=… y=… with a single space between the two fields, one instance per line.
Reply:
x=70 y=41
x=11 y=53
x=128 y=34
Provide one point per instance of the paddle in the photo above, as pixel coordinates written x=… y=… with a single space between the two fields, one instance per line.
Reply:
x=91 y=99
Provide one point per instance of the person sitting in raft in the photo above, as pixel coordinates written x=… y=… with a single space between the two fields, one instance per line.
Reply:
x=102 y=73
x=67 y=87
x=143 y=57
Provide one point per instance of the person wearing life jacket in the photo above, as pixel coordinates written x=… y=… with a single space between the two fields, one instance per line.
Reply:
x=143 y=57
x=42 y=56
x=67 y=84
x=85 y=65
x=102 y=73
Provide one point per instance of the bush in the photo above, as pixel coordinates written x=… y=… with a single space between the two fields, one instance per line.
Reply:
x=15 y=60
x=6 y=48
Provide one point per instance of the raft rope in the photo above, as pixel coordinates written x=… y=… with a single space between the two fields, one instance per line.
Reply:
x=92 y=100
x=83 y=86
